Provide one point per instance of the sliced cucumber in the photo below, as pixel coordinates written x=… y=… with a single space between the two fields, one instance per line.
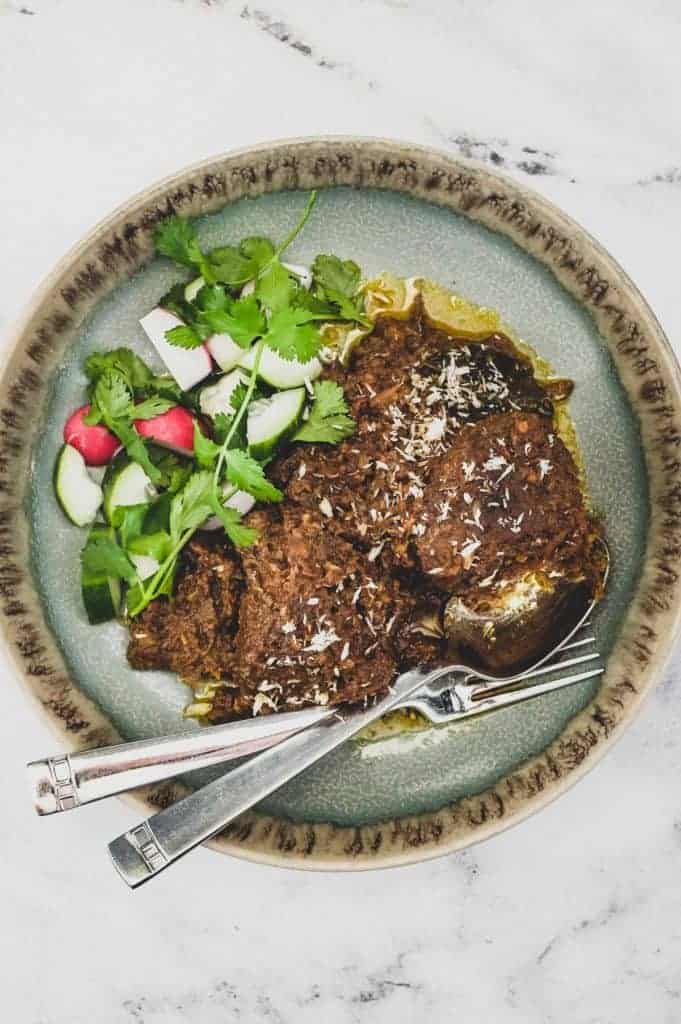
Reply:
x=77 y=493
x=101 y=594
x=279 y=372
x=271 y=420
x=217 y=397
x=126 y=483
x=193 y=289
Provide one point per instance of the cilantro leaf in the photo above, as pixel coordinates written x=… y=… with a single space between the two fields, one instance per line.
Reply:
x=275 y=287
x=243 y=321
x=336 y=281
x=192 y=505
x=205 y=450
x=176 y=238
x=113 y=400
x=245 y=473
x=135 y=447
x=230 y=266
x=153 y=406
x=292 y=336
x=258 y=249
x=341 y=276
x=184 y=336
x=102 y=556
x=129 y=521
x=112 y=396
x=156 y=545
x=329 y=420
x=136 y=372
x=175 y=302
x=241 y=536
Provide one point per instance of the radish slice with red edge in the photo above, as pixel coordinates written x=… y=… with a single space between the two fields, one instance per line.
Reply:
x=173 y=429
x=96 y=444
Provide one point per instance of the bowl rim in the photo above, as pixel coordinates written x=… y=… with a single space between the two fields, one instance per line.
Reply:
x=649 y=372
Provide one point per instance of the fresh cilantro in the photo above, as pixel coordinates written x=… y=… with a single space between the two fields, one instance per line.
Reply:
x=230 y=266
x=175 y=238
x=184 y=336
x=337 y=282
x=129 y=521
x=113 y=401
x=158 y=516
x=153 y=406
x=205 y=450
x=241 y=536
x=156 y=545
x=258 y=249
x=292 y=336
x=245 y=473
x=192 y=505
x=175 y=302
x=329 y=420
x=275 y=288
x=102 y=556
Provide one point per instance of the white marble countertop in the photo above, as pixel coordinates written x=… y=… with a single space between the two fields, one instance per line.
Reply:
x=572 y=918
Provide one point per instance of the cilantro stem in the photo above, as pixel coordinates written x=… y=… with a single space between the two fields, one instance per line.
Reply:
x=259 y=345
x=295 y=231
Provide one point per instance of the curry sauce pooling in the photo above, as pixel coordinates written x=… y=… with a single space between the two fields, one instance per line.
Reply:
x=455 y=504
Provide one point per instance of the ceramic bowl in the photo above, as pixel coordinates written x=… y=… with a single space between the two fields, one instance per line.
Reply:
x=414 y=211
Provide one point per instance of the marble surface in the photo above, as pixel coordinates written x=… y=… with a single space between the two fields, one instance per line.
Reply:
x=572 y=918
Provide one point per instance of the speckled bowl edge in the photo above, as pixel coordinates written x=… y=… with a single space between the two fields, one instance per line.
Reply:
x=645 y=363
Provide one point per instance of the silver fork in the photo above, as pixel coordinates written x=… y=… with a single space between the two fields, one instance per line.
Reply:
x=145 y=850
x=67 y=781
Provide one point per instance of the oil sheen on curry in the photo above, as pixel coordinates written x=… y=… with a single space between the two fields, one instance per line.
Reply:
x=453 y=523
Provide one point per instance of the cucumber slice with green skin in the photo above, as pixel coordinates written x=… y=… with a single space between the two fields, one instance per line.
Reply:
x=126 y=483
x=279 y=372
x=217 y=397
x=101 y=594
x=272 y=420
x=193 y=289
x=77 y=493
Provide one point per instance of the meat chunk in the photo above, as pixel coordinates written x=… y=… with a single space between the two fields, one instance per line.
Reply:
x=504 y=500
x=316 y=621
x=193 y=633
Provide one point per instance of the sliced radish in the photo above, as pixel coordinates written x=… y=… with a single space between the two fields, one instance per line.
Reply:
x=187 y=365
x=173 y=429
x=279 y=372
x=242 y=501
x=217 y=397
x=224 y=351
x=96 y=444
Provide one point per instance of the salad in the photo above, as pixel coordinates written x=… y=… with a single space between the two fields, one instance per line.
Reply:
x=243 y=340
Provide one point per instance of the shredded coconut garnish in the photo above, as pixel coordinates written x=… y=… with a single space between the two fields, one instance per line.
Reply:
x=322 y=639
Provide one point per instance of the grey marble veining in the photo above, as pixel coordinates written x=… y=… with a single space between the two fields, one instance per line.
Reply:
x=575 y=916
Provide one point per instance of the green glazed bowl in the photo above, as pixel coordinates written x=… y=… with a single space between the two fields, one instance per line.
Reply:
x=415 y=212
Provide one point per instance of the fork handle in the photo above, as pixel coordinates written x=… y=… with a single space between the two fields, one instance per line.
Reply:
x=143 y=851
x=67 y=781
